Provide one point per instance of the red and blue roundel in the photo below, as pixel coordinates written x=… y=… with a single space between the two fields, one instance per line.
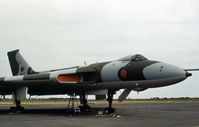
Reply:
x=123 y=74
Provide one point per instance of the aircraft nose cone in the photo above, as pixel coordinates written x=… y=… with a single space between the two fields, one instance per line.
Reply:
x=188 y=74
x=162 y=71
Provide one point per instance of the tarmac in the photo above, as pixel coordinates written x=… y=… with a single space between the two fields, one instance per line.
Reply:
x=183 y=114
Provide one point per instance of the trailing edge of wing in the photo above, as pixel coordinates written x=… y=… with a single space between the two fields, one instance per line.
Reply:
x=25 y=80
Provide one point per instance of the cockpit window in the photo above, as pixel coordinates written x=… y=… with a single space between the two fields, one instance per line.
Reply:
x=136 y=57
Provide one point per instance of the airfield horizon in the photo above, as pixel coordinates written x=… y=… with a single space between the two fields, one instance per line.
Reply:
x=64 y=102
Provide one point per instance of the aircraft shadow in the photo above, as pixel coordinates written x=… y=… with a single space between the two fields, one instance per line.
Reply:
x=51 y=111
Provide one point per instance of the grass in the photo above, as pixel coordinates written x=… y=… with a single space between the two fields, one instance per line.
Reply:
x=61 y=102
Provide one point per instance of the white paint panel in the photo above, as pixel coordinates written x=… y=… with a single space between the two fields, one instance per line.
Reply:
x=162 y=70
x=110 y=71
x=22 y=63
x=13 y=78
x=53 y=75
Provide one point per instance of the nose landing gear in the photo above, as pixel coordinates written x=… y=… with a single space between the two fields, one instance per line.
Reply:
x=110 y=109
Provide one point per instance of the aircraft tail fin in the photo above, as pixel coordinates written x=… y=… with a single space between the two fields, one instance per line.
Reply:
x=18 y=64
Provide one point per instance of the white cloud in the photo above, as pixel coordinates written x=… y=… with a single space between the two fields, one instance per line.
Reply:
x=66 y=33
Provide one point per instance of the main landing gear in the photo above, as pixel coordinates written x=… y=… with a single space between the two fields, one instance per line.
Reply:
x=84 y=107
x=18 y=107
x=109 y=109
x=75 y=108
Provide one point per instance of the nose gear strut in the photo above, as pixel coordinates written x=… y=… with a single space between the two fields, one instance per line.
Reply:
x=109 y=109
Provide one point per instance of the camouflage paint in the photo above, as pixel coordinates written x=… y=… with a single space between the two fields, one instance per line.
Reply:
x=18 y=64
x=13 y=62
x=37 y=77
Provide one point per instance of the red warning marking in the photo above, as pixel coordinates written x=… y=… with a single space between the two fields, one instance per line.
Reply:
x=68 y=78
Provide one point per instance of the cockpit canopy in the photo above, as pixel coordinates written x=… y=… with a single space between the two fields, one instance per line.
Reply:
x=136 y=57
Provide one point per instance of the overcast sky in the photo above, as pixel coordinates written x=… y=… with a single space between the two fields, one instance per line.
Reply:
x=62 y=33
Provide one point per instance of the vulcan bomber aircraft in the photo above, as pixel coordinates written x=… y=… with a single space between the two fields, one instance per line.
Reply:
x=134 y=72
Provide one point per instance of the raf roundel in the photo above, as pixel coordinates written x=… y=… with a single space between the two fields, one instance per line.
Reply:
x=123 y=74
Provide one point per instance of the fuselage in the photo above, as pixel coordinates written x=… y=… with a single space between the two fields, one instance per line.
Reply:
x=132 y=72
